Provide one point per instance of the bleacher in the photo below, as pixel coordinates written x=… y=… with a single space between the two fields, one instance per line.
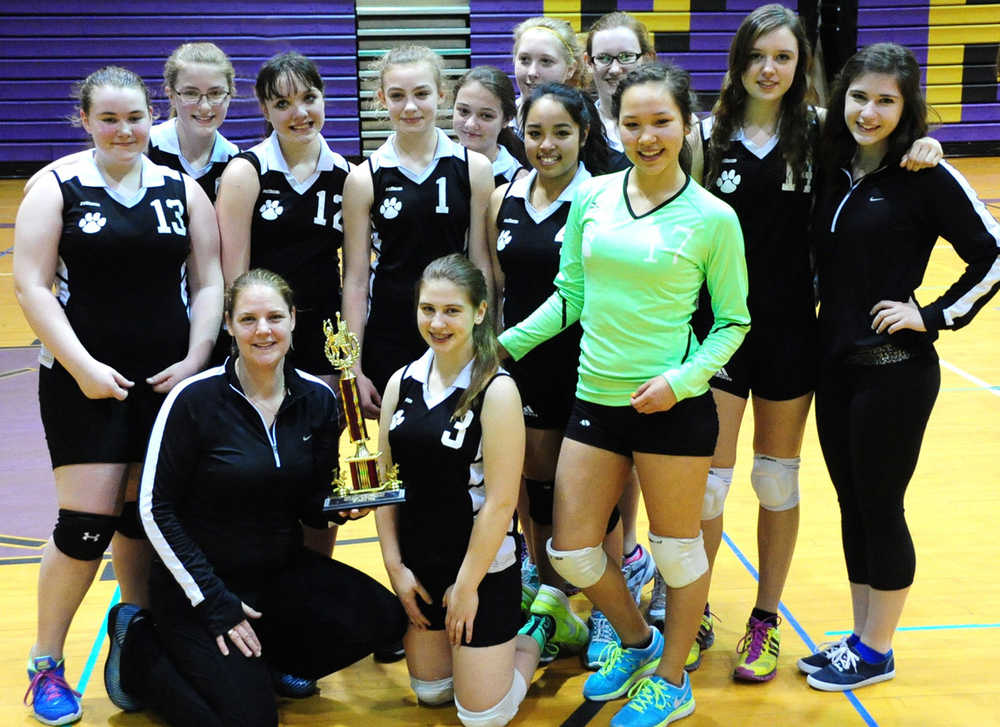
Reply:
x=46 y=47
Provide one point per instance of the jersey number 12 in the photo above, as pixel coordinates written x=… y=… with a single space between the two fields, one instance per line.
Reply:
x=320 y=218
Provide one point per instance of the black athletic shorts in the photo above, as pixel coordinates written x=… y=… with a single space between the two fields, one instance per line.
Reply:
x=499 y=616
x=778 y=360
x=79 y=430
x=688 y=429
x=547 y=394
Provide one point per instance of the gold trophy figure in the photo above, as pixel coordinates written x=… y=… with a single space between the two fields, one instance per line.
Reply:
x=364 y=487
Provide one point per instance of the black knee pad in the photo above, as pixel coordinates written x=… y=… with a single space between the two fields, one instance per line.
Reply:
x=616 y=515
x=540 y=497
x=129 y=524
x=83 y=535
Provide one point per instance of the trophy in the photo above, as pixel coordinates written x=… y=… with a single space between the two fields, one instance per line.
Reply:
x=363 y=487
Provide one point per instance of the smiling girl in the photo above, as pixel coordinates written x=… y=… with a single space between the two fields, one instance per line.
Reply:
x=637 y=247
x=418 y=197
x=545 y=51
x=876 y=226
x=451 y=421
x=757 y=152
x=484 y=108
x=279 y=203
x=198 y=80
x=115 y=233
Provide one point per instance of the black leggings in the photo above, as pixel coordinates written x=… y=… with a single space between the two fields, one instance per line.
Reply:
x=319 y=615
x=871 y=421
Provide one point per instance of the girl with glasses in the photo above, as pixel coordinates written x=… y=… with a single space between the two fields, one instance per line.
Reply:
x=617 y=43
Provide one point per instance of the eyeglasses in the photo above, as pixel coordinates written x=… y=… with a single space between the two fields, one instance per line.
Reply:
x=625 y=58
x=190 y=96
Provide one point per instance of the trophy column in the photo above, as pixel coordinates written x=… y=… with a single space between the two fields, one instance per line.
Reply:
x=363 y=486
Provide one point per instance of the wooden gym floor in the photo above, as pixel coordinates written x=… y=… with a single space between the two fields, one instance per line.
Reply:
x=946 y=648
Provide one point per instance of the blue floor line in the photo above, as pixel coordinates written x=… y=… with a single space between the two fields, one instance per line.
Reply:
x=940 y=627
x=88 y=668
x=855 y=702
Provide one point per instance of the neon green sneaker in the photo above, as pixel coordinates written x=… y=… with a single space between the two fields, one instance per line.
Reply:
x=572 y=633
x=758 y=651
x=693 y=660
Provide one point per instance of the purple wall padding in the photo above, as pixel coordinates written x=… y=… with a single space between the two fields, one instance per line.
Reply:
x=703 y=50
x=46 y=47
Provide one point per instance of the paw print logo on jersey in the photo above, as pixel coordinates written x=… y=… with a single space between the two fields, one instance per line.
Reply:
x=503 y=239
x=728 y=181
x=271 y=210
x=397 y=418
x=390 y=208
x=93 y=222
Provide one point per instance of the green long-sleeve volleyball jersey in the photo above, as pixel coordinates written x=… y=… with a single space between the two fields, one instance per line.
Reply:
x=633 y=283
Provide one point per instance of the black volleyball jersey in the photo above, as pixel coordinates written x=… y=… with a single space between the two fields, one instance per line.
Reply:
x=298 y=227
x=529 y=242
x=415 y=218
x=165 y=149
x=440 y=462
x=759 y=185
x=121 y=267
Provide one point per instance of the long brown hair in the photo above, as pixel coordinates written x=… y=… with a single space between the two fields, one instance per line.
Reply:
x=796 y=116
x=457 y=269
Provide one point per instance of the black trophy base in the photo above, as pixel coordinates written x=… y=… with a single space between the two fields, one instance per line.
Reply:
x=359 y=500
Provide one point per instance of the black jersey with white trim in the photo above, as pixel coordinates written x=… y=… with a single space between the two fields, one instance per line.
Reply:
x=758 y=183
x=415 y=218
x=298 y=227
x=874 y=238
x=440 y=462
x=121 y=267
x=528 y=244
x=165 y=149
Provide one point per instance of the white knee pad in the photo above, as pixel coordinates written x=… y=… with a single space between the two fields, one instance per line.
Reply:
x=681 y=561
x=716 y=489
x=582 y=567
x=776 y=482
x=434 y=692
x=500 y=713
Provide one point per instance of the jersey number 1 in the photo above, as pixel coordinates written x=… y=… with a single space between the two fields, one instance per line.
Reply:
x=442 y=208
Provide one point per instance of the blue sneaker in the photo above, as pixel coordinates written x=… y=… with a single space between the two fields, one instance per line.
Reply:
x=54 y=701
x=847 y=670
x=602 y=633
x=291 y=686
x=823 y=656
x=655 y=702
x=119 y=618
x=621 y=668
x=638 y=570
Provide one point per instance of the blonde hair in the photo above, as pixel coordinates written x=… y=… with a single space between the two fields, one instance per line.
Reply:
x=566 y=36
x=403 y=55
x=208 y=53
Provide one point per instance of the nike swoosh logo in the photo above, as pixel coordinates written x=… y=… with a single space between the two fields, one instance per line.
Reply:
x=876 y=199
x=307 y=438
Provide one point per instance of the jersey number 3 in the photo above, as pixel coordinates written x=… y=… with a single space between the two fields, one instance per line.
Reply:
x=455 y=440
